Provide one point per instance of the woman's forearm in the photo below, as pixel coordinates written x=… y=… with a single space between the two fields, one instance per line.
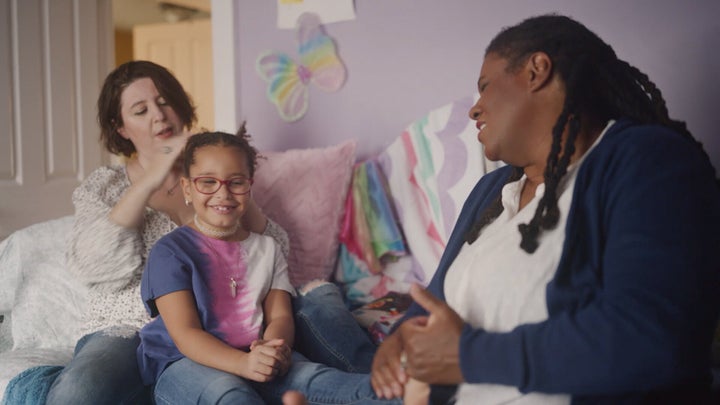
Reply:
x=130 y=209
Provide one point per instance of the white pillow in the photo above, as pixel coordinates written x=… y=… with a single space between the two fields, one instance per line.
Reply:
x=47 y=301
x=16 y=361
x=10 y=273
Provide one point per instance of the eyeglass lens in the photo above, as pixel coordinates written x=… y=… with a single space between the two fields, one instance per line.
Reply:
x=210 y=185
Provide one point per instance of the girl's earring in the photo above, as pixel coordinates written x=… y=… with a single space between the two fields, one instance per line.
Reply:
x=187 y=203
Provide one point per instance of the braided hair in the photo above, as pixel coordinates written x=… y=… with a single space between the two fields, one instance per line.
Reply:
x=598 y=86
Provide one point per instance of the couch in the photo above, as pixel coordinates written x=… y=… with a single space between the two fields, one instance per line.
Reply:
x=374 y=226
x=326 y=198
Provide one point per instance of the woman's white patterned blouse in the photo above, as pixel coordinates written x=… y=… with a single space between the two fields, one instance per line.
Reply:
x=110 y=258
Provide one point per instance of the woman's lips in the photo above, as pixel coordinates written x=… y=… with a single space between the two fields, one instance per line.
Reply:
x=165 y=132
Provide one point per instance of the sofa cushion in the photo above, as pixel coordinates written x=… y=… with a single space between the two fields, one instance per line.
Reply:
x=303 y=190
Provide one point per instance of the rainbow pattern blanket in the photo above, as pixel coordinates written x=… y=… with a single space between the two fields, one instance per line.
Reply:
x=417 y=184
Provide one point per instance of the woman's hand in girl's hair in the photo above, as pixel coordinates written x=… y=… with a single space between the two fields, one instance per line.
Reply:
x=266 y=360
x=165 y=157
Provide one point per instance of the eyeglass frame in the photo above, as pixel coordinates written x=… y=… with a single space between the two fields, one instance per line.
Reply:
x=221 y=183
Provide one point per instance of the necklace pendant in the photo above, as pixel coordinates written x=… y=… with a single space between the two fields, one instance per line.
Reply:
x=233 y=287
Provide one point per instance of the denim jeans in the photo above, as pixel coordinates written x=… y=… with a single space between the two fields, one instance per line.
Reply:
x=327 y=333
x=187 y=382
x=103 y=370
x=333 y=368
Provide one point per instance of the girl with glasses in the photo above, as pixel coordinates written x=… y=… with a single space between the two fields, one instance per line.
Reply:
x=121 y=210
x=221 y=298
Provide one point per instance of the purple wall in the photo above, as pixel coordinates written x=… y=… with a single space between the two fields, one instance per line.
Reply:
x=406 y=57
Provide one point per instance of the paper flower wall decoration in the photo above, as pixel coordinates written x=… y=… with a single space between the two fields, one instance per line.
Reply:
x=288 y=81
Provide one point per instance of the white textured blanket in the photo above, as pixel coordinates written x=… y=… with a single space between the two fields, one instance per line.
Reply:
x=40 y=302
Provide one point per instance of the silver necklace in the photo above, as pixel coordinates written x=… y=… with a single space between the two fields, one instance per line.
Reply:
x=217 y=234
x=233 y=284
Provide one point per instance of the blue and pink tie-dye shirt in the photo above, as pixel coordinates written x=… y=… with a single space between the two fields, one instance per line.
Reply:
x=229 y=281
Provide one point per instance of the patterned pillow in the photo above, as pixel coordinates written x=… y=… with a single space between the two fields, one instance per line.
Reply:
x=379 y=316
x=430 y=169
x=304 y=190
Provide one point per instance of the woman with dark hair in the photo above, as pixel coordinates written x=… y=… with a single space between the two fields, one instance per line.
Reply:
x=121 y=210
x=584 y=271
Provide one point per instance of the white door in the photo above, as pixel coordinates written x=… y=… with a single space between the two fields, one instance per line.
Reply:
x=185 y=48
x=54 y=55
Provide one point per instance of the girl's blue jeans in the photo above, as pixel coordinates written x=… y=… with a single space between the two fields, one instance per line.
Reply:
x=327 y=333
x=187 y=382
x=104 y=368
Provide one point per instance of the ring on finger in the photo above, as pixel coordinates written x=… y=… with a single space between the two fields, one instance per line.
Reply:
x=403 y=360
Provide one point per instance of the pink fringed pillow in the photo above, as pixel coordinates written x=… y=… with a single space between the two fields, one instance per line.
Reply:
x=303 y=190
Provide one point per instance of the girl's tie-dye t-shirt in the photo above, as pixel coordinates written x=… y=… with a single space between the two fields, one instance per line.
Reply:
x=229 y=281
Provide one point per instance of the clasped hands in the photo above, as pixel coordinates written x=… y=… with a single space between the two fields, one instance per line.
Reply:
x=428 y=346
x=268 y=359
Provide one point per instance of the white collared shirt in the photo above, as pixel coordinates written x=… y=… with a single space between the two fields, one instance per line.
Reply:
x=495 y=285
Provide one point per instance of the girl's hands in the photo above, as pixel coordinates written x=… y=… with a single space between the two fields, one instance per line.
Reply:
x=267 y=359
x=424 y=348
x=388 y=374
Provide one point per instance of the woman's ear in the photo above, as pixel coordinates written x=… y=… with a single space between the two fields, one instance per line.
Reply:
x=186 y=185
x=119 y=129
x=540 y=70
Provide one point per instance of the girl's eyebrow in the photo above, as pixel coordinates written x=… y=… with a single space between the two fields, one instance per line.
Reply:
x=231 y=176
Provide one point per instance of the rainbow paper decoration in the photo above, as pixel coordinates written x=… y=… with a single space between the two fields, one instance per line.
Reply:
x=288 y=81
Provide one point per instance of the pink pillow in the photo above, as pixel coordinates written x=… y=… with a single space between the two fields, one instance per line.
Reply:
x=303 y=190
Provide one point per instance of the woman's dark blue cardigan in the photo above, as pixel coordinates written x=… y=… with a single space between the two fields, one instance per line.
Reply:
x=636 y=296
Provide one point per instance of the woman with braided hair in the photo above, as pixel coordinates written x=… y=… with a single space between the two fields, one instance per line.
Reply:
x=584 y=271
